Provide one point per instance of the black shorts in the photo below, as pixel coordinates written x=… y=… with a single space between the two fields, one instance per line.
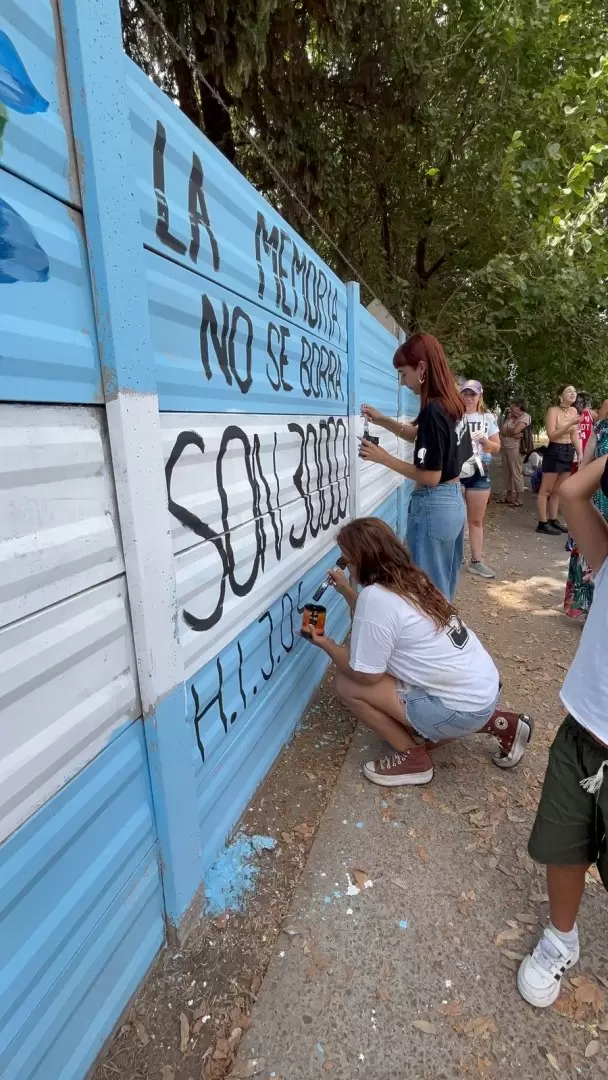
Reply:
x=558 y=458
x=570 y=826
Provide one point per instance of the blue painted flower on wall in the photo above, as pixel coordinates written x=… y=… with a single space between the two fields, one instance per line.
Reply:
x=17 y=90
x=21 y=257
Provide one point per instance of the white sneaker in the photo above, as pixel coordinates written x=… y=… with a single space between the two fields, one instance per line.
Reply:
x=539 y=978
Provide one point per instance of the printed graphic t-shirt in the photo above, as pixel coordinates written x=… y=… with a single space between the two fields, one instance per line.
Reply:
x=442 y=444
x=482 y=424
x=390 y=635
x=585 y=689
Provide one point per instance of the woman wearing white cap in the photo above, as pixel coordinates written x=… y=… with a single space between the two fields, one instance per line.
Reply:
x=475 y=477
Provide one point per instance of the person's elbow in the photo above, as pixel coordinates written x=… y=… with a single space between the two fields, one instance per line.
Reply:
x=429 y=478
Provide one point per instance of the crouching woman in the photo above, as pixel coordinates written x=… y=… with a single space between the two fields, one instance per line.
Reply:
x=414 y=673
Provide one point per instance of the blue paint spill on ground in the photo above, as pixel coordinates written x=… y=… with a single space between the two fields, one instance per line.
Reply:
x=233 y=877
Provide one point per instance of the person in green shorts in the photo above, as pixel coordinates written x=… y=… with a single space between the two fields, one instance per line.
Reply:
x=569 y=833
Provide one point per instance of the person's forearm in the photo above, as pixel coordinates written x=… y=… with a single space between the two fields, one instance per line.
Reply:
x=339 y=655
x=589 y=453
x=402 y=430
x=578 y=447
x=351 y=596
x=412 y=472
x=558 y=432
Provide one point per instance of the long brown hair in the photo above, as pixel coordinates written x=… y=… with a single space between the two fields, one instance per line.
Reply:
x=439 y=383
x=379 y=558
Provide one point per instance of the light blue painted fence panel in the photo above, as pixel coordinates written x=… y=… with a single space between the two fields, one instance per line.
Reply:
x=80 y=915
x=216 y=351
x=246 y=702
x=37 y=142
x=378 y=383
x=48 y=344
x=197 y=209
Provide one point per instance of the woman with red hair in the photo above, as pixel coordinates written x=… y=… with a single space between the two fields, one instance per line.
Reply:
x=442 y=444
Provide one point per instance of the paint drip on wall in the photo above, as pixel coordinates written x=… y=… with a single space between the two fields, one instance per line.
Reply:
x=233 y=877
x=21 y=256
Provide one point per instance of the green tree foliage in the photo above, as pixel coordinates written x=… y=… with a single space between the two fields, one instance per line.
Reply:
x=456 y=151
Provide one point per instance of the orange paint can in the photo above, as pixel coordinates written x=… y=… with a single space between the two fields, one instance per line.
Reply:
x=313 y=615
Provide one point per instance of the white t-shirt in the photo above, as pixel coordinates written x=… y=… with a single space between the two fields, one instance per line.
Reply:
x=390 y=635
x=482 y=424
x=585 y=689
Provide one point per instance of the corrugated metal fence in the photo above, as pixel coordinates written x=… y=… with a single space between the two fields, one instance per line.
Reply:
x=180 y=385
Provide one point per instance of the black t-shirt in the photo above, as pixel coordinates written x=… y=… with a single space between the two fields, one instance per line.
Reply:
x=605 y=480
x=442 y=444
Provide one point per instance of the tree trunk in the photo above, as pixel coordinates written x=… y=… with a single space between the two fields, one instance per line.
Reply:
x=216 y=118
x=186 y=91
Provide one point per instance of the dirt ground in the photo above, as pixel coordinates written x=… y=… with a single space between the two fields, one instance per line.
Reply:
x=188 y=1020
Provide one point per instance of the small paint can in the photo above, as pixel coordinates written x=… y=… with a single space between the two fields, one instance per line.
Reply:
x=313 y=615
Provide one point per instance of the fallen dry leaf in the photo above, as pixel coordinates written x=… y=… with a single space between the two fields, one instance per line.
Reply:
x=480 y=1025
x=553 y=1062
x=511 y=934
x=223 y=1050
x=200 y=1010
x=603 y=1025
x=451 y=1008
x=401 y=884
x=245 y=1070
x=426 y=1026
x=184 y=1032
x=517 y=819
x=511 y=955
x=167 y=1073
x=423 y=854
x=221 y=922
x=527 y=918
x=361 y=878
x=428 y=798
x=383 y=994
x=287 y=838
x=588 y=992
x=567 y=1006
x=304 y=830
x=592 y=1048
x=141 y=1032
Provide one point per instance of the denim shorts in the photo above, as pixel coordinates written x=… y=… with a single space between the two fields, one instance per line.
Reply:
x=476 y=482
x=434 y=720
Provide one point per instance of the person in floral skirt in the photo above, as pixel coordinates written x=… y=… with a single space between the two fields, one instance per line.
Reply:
x=579 y=586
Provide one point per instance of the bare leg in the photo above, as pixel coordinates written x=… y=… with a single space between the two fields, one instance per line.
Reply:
x=553 y=506
x=546 y=489
x=379 y=708
x=477 y=502
x=565 y=885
